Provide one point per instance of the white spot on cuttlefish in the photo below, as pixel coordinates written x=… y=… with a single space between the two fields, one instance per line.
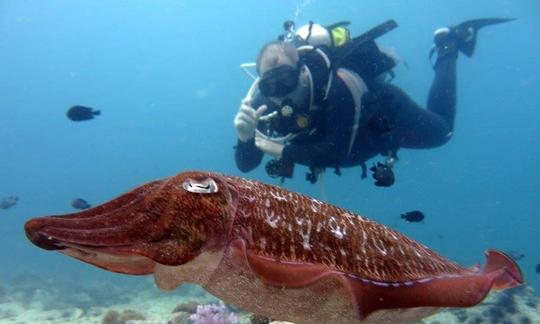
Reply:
x=305 y=234
x=315 y=201
x=380 y=246
x=305 y=242
x=277 y=196
x=272 y=220
x=339 y=232
x=262 y=243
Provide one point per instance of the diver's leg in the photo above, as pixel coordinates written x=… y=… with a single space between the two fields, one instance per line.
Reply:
x=431 y=127
x=442 y=95
x=424 y=128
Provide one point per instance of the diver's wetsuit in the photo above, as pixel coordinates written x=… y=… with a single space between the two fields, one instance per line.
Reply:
x=390 y=120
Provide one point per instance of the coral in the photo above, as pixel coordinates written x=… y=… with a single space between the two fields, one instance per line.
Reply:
x=517 y=305
x=131 y=315
x=213 y=314
x=111 y=317
x=524 y=320
x=461 y=315
x=114 y=317
x=259 y=319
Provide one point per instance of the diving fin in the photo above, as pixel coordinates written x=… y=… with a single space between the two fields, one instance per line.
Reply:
x=464 y=35
x=466 y=32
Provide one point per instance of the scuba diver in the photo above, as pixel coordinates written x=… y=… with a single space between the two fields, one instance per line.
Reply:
x=323 y=99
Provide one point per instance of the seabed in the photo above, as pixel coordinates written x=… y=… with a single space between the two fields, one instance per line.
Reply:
x=29 y=299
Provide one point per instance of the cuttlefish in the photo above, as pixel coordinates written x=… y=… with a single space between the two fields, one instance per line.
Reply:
x=270 y=251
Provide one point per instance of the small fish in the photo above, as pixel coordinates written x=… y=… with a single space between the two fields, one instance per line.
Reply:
x=81 y=113
x=8 y=202
x=80 y=203
x=538 y=268
x=414 y=216
x=383 y=175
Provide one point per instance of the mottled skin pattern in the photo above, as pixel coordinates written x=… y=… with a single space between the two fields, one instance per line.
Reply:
x=284 y=225
x=269 y=251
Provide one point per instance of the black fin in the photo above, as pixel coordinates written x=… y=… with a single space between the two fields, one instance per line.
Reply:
x=467 y=31
x=344 y=51
x=362 y=55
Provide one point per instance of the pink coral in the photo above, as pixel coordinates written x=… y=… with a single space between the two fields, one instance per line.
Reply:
x=213 y=314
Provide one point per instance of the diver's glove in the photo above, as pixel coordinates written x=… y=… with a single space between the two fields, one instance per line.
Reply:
x=269 y=147
x=246 y=120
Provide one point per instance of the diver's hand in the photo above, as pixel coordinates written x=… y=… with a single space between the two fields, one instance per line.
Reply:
x=269 y=147
x=246 y=120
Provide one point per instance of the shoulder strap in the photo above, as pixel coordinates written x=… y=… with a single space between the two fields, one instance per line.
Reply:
x=357 y=87
x=316 y=60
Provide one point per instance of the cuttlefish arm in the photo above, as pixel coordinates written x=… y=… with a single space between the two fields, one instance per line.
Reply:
x=270 y=251
x=157 y=223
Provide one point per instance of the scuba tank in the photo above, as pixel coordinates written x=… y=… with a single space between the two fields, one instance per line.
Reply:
x=360 y=54
x=331 y=36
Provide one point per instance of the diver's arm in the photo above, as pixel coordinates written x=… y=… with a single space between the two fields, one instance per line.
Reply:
x=247 y=156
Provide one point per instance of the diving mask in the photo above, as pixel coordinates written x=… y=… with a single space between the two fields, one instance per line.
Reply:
x=279 y=81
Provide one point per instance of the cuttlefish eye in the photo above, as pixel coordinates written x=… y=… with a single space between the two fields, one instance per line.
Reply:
x=200 y=186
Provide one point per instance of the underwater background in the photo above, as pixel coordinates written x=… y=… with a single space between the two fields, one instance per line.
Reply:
x=166 y=77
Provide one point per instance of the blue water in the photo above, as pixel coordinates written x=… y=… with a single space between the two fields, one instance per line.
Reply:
x=166 y=76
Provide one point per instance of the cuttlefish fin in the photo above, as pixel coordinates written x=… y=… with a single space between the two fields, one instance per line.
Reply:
x=277 y=273
x=460 y=290
x=368 y=296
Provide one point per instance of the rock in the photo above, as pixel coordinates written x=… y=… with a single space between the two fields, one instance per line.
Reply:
x=259 y=319
x=114 y=317
x=188 y=307
x=131 y=315
x=180 y=318
x=111 y=317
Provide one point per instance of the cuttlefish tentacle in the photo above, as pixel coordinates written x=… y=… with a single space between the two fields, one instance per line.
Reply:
x=102 y=225
x=270 y=251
